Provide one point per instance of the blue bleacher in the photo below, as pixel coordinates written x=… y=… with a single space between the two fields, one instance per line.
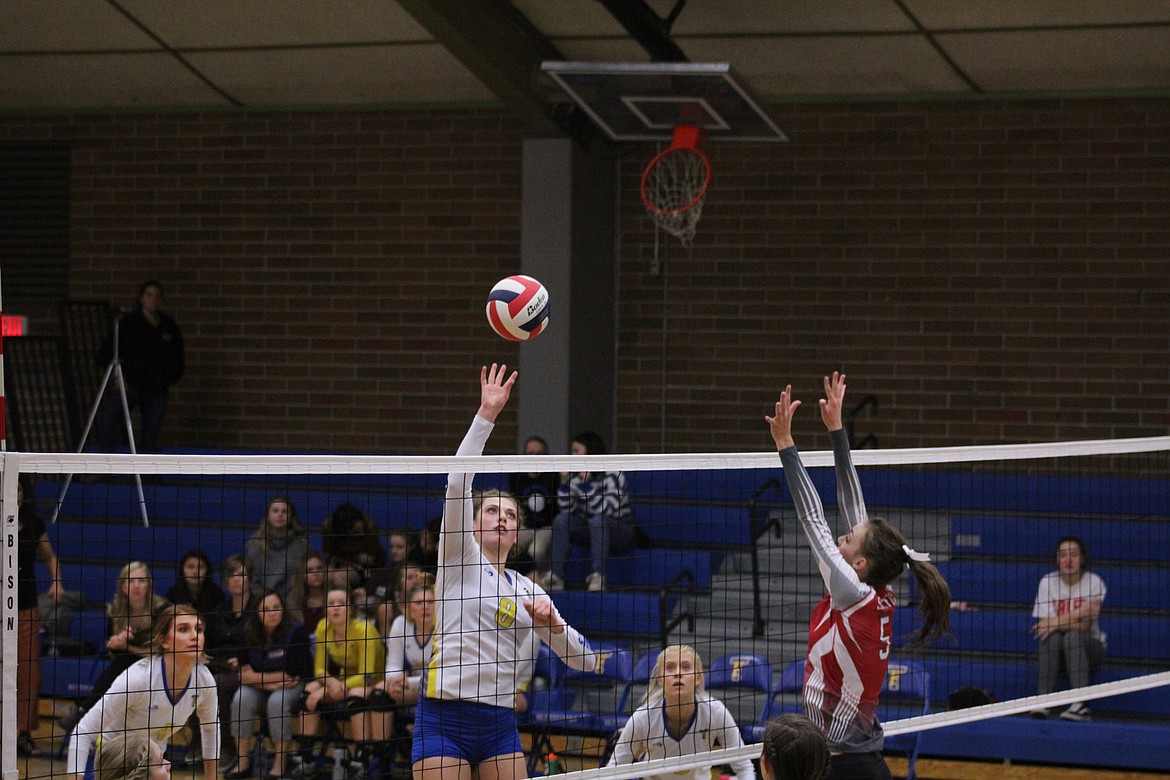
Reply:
x=703 y=525
x=217 y=504
x=1013 y=582
x=1020 y=739
x=1016 y=678
x=639 y=568
x=1134 y=637
x=611 y=613
x=1119 y=539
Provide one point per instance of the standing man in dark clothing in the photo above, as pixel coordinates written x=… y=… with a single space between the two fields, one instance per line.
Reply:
x=150 y=348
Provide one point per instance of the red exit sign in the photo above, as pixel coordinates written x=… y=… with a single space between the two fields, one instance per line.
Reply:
x=14 y=325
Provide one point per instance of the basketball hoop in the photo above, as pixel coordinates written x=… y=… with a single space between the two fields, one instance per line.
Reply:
x=675 y=183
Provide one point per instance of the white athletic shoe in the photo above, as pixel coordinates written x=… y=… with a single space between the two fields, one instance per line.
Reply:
x=553 y=582
x=1076 y=711
x=595 y=582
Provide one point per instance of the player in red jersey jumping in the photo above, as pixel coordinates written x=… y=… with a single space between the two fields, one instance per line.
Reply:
x=850 y=632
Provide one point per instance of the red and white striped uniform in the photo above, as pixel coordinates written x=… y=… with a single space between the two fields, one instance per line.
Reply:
x=849 y=633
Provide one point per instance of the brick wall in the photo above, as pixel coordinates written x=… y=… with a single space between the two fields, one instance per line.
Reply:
x=990 y=272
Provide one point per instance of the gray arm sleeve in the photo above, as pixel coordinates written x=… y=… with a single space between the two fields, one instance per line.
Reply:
x=840 y=579
x=849 y=497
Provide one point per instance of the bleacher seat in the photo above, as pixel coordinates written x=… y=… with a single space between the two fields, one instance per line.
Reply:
x=1137 y=637
x=587 y=702
x=614 y=614
x=704 y=525
x=743 y=682
x=1119 y=539
x=70 y=677
x=641 y=568
x=989 y=581
x=1021 y=740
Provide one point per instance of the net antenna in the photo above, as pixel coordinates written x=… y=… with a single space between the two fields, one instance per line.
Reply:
x=675 y=183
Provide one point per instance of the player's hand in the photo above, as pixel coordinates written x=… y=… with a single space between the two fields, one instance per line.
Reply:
x=543 y=614
x=396 y=688
x=334 y=689
x=495 y=387
x=1044 y=628
x=833 y=401
x=781 y=424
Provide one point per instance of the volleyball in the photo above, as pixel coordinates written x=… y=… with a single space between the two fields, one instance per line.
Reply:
x=518 y=308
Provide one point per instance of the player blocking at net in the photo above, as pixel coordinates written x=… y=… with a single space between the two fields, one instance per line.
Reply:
x=484 y=621
x=849 y=635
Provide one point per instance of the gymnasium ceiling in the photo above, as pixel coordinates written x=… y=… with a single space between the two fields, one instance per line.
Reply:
x=65 y=56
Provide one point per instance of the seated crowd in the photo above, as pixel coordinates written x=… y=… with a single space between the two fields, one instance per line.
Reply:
x=292 y=635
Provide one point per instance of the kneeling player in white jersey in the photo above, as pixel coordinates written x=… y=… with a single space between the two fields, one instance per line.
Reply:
x=484 y=621
x=157 y=694
x=679 y=718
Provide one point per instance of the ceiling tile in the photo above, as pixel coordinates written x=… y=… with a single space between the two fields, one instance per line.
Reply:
x=77 y=25
x=1064 y=60
x=734 y=17
x=101 y=81
x=231 y=23
x=345 y=76
x=832 y=66
x=992 y=14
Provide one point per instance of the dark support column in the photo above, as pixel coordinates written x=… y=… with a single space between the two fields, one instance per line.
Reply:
x=568 y=242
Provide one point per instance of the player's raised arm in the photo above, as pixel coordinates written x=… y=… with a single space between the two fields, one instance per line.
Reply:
x=494 y=390
x=833 y=401
x=781 y=424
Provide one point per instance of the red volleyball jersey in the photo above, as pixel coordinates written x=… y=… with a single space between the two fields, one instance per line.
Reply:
x=848 y=655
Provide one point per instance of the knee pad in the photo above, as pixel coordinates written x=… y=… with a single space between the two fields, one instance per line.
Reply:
x=379 y=701
x=301 y=705
x=353 y=705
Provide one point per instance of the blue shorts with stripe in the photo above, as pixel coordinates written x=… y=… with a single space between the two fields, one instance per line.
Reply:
x=468 y=730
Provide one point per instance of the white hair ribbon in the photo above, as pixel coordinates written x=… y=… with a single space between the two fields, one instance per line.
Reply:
x=914 y=555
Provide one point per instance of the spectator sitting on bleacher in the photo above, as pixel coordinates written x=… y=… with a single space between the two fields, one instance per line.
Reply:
x=277 y=546
x=679 y=718
x=386 y=592
x=306 y=601
x=1068 y=608
x=33 y=543
x=536 y=492
x=272 y=678
x=195 y=586
x=348 y=659
x=595 y=511
x=227 y=635
x=404 y=546
x=130 y=618
x=408 y=648
x=157 y=694
x=352 y=547
x=428 y=545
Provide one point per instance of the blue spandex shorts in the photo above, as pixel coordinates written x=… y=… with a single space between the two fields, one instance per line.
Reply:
x=468 y=730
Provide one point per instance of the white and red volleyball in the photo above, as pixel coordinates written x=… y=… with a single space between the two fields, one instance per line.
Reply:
x=518 y=308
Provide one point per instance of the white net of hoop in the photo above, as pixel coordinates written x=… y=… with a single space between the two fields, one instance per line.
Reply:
x=674 y=189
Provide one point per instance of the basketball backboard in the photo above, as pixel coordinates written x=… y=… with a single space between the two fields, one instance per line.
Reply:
x=645 y=101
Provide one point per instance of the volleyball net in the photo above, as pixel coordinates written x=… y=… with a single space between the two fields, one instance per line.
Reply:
x=718 y=563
